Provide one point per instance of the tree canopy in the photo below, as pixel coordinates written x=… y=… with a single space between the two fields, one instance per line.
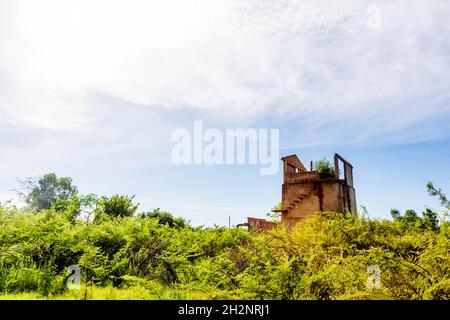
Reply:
x=46 y=191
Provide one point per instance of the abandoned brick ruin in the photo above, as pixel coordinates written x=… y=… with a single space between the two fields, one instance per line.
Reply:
x=306 y=192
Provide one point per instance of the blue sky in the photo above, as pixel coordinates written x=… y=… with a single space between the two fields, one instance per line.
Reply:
x=94 y=89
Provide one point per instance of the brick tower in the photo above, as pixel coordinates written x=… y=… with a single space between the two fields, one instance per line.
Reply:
x=306 y=192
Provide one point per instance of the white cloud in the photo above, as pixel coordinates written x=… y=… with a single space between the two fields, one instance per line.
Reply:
x=239 y=60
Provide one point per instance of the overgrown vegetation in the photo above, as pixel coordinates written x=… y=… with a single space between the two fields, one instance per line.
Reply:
x=153 y=255
x=324 y=168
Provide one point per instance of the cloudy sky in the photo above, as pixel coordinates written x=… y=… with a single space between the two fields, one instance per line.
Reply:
x=93 y=90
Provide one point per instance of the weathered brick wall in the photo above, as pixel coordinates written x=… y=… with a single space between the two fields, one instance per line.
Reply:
x=301 y=177
x=306 y=192
x=256 y=224
x=319 y=195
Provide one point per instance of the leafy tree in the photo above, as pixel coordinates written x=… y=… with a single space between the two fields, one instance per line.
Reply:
x=437 y=192
x=47 y=190
x=410 y=216
x=78 y=205
x=118 y=206
x=164 y=218
x=430 y=218
x=395 y=214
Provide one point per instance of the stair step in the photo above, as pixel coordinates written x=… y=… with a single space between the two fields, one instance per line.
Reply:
x=295 y=202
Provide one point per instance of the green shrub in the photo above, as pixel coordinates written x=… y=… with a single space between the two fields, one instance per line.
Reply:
x=324 y=257
x=324 y=168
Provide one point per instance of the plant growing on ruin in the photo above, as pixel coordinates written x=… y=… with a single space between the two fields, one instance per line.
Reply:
x=324 y=168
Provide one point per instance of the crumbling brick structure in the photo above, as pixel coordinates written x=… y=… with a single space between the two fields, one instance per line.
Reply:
x=306 y=192
x=257 y=224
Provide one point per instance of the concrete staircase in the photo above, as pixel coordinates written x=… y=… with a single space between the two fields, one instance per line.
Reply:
x=298 y=200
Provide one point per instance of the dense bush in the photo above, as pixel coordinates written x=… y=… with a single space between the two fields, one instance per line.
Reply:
x=325 y=257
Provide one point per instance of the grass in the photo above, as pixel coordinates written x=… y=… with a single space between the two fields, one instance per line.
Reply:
x=130 y=293
x=92 y=293
x=141 y=293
